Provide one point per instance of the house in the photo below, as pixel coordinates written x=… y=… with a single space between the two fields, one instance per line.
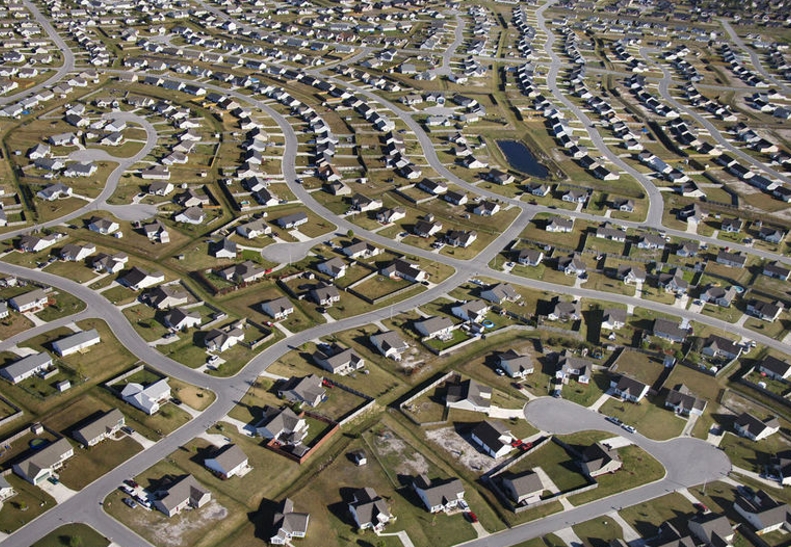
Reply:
x=631 y=275
x=613 y=319
x=571 y=265
x=361 y=249
x=288 y=524
x=486 y=208
x=522 y=488
x=461 y=238
x=474 y=311
x=502 y=292
x=190 y=215
x=772 y=235
x=469 y=395
x=669 y=330
x=766 y=311
x=72 y=252
x=568 y=366
x=43 y=463
x=191 y=198
x=292 y=221
x=102 y=225
x=253 y=229
x=438 y=495
x=76 y=342
x=683 y=402
x=34 y=244
x=688 y=249
x=777 y=271
x=390 y=344
x=181 y=319
x=434 y=327
x=565 y=311
x=227 y=461
x=717 y=295
x=185 y=492
x=493 y=438
x=731 y=225
x=673 y=282
x=717 y=347
x=774 y=368
x=734 y=260
x=306 y=390
x=629 y=389
x=651 y=242
x=138 y=279
x=110 y=263
x=26 y=367
x=246 y=272
x=338 y=360
x=334 y=267
x=599 y=459
x=219 y=340
x=277 y=309
x=282 y=426
x=750 y=427
x=6 y=490
x=426 y=228
x=762 y=512
x=387 y=216
x=529 y=257
x=403 y=269
x=148 y=398
x=224 y=248
x=166 y=296
x=515 y=365
x=29 y=301
x=712 y=529
x=324 y=295
x=369 y=510
x=101 y=428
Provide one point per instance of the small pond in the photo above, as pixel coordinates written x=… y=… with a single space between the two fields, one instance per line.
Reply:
x=521 y=158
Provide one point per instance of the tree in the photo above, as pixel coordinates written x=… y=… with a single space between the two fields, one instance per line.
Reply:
x=350 y=233
x=75 y=541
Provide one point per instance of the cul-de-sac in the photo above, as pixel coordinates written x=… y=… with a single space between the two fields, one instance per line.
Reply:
x=395 y=273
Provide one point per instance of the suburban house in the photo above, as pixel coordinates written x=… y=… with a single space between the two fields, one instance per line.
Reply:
x=334 y=267
x=369 y=510
x=245 y=272
x=750 y=427
x=529 y=257
x=43 y=463
x=515 y=365
x=190 y=215
x=33 y=244
x=6 y=490
x=279 y=308
x=502 y=292
x=26 y=367
x=522 y=488
x=403 y=269
x=324 y=294
x=103 y=225
x=227 y=461
x=438 y=495
x=185 y=492
x=669 y=330
x=76 y=342
x=493 y=438
x=306 y=390
x=29 y=301
x=288 y=524
x=613 y=319
x=292 y=221
x=253 y=229
x=775 y=368
x=105 y=426
x=717 y=347
x=712 y=529
x=74 y=253
x=599 y=459
x=182 y=319
x=166 y=296
x=149 y=398
x=683 y=402
x=766 y=311
x=390 y=344
x=781 y=464
x=570 y=366
x=434 y=327
x=469 y=395
x=734 y=260
x=138 y=279
x=338 y=360
x=219 y=340
x=282 y=425
x=718 y=295
x=224 y=248
x=474 y=311
x=763 y=512
x=361 y=249
x=629 y=389
x=565 y=311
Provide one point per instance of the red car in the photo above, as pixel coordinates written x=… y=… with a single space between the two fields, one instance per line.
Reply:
x=516 y=443
x=327 y=383
x=525 y=446
x=472 y=516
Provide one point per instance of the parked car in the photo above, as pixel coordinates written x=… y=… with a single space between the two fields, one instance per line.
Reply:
x=614 y=420
x=629 y=428
x=131 y=483
x=472 y=517
x=130 y=502
x=53 y=480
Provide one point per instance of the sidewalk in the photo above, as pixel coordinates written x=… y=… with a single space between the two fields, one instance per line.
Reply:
x=402 y=535
x=599 y=402
x=570 y=537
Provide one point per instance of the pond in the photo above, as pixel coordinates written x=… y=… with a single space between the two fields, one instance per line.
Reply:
x=521 y=158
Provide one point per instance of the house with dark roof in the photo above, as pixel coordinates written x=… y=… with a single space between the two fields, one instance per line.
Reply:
x=764 y=513
x=469 y=395
x=493 y=438
x=522 y=488
x=101 y=428
x=138 y=279
x=282 y=425
x=244 y=272
x=683 y=402
x=438 y=496
x=287 y=524
x=712 y=529
x=774 y=368
x=403 y=269
x=502 y=292
x=613 y=319
x=390 y=344
x=338 y=360
x=718 y=295
x=183 y=493
x=227 y=461
x=734 y=260
x=750 y=427
x=776 y=270
x=669 y=330
x=369 y=510
x=166 y=296
x=434 y=327
x=629 y=389
x=515 y=365
x=277 y=309
x=599 y=459
x=766 y=311
x=305 y=390
x=718 y=347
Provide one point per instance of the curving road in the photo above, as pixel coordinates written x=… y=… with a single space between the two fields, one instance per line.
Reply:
x=756 y=60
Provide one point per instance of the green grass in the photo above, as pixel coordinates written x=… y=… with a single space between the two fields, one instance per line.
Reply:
x=649 y=417
x=598 y=531
x=646 y=517
x=557 y=464
x=751 y=455
x=65 y=304
x=77 y=535
x=88 y=464
x=29 y=503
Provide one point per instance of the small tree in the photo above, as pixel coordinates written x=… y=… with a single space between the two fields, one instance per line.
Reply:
x=350 y=233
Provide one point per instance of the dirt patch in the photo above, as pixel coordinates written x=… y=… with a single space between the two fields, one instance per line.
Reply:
x=461 y=449
x=170 y=531
x=411 y=462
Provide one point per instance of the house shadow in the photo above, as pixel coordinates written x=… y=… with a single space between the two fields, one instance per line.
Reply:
x=202 y=454
x=82 y=423
x=649 y=529
x=199 y=338
x=263 y=519
x=593 y=319
x=341 y=508
x=549 y=364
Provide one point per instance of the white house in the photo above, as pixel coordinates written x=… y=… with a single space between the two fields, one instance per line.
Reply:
x=227 y=461
x=76 y=342
x=149 y=398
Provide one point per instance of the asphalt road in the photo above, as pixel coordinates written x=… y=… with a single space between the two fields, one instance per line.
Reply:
x=756 y=60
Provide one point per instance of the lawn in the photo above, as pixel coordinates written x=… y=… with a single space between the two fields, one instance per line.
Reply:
x=76 y=271
x=29 y=503
x=88 y=464
x=78 y=535
x=752 y=455
x=649 y=417
x=646 y=517
x=169 y=418
x=193 y=396
x=641 y=367
x=65 y=304
x=380 y=286
x=598 y=532
x=13 y=325
x=586 y=394
x=556 y=463
x=144 y=319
